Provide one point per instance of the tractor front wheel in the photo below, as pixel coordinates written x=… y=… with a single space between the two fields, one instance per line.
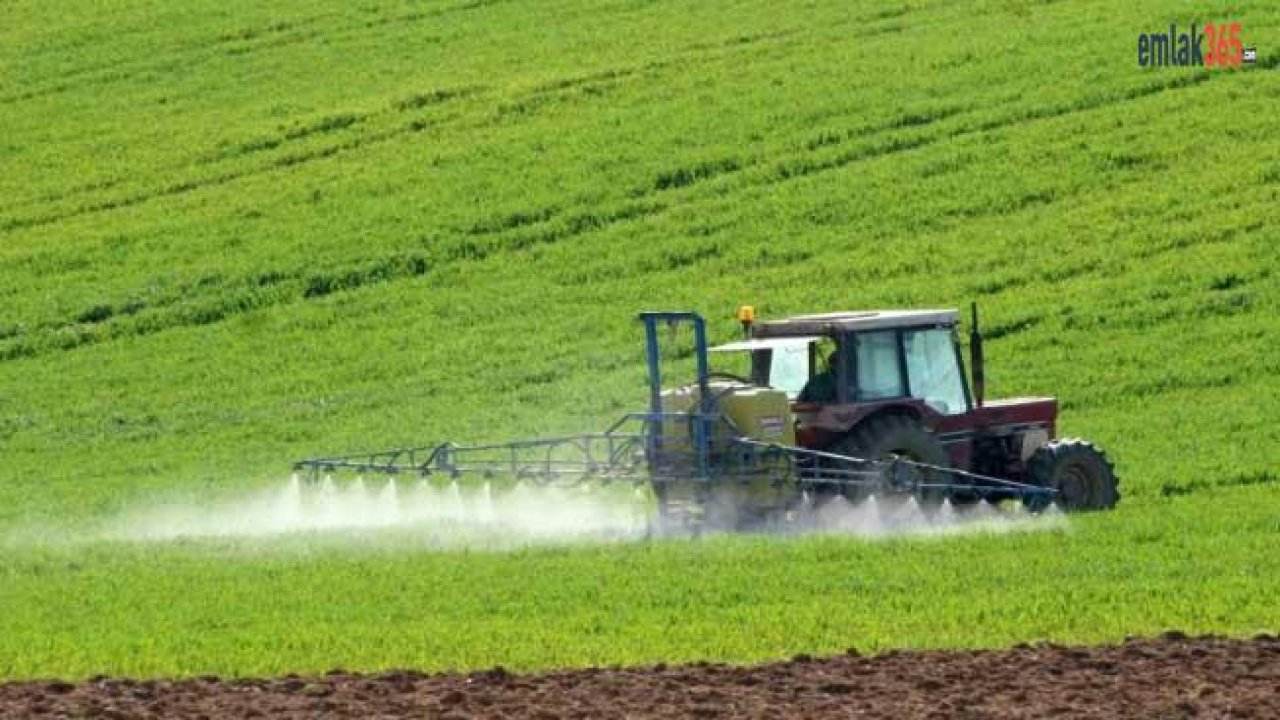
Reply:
x=1083 y=476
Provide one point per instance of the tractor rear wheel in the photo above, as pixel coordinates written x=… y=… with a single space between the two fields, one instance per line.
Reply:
x=883 y=437
x=1083 y=476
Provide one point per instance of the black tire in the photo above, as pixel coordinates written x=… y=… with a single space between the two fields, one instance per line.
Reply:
x=886 y=436
x=1081 y=473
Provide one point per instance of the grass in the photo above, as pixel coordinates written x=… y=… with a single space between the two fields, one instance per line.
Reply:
x=239 y=234
x=312 y=603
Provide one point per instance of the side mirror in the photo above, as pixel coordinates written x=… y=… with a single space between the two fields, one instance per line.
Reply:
x=975 y=358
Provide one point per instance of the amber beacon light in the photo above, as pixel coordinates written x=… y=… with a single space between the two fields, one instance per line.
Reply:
x=746 y=316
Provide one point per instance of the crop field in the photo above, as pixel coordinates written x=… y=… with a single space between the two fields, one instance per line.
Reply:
x=370 y=602
x=237 y=234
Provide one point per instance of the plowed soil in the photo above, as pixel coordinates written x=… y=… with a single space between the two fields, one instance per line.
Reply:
x=1169 y=677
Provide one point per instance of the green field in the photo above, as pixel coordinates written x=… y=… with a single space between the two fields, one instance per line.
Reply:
x=235 y=234
x=313 y=603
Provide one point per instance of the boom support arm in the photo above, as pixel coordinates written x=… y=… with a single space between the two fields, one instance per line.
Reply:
x=701 y=422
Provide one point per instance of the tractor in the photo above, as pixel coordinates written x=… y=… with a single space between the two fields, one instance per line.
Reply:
x=853 y=405
x=881 y=384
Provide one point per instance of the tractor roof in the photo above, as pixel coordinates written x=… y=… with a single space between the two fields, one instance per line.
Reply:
x=853 y=321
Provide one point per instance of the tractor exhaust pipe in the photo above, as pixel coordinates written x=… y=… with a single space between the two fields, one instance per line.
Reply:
x=975 y=358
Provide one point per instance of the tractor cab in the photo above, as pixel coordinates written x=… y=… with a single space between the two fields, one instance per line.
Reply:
x=855 y=377
x=860 y=357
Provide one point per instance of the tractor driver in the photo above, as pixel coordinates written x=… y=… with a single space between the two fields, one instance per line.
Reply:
x=821 y=388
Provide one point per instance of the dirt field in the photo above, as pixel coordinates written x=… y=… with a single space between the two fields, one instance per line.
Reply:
x=1170 y=677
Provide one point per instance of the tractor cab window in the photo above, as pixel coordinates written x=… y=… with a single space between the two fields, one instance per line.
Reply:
x=822 y=385
x=789 y=368
x=878 y=374
x=781 y=363
x=934 y=370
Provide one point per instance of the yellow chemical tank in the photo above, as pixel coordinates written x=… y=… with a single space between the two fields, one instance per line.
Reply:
x=747 y=490
x=759 y=413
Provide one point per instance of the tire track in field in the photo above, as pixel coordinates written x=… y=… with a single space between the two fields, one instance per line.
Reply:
x=518 y=230
x=327 y=125
x=513 y=231
x=186 y=57
x=785 y=170
x=540 y=94
x=240 y=42
x=879 y=147
x=536 y=96
x=874 y=145
x=247 y=40
x=1240 y=479
x=758 y=174
x=482 y=239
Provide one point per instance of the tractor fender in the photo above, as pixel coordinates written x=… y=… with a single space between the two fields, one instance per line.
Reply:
x=904 y=410
x=824 y=426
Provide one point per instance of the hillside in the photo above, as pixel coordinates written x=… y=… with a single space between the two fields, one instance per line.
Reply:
x=237 y=234
x=234 y=234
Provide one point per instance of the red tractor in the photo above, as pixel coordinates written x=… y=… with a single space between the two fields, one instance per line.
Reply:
x=877 y=384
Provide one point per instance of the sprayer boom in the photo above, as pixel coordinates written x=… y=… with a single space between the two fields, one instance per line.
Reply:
x=627 y=453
